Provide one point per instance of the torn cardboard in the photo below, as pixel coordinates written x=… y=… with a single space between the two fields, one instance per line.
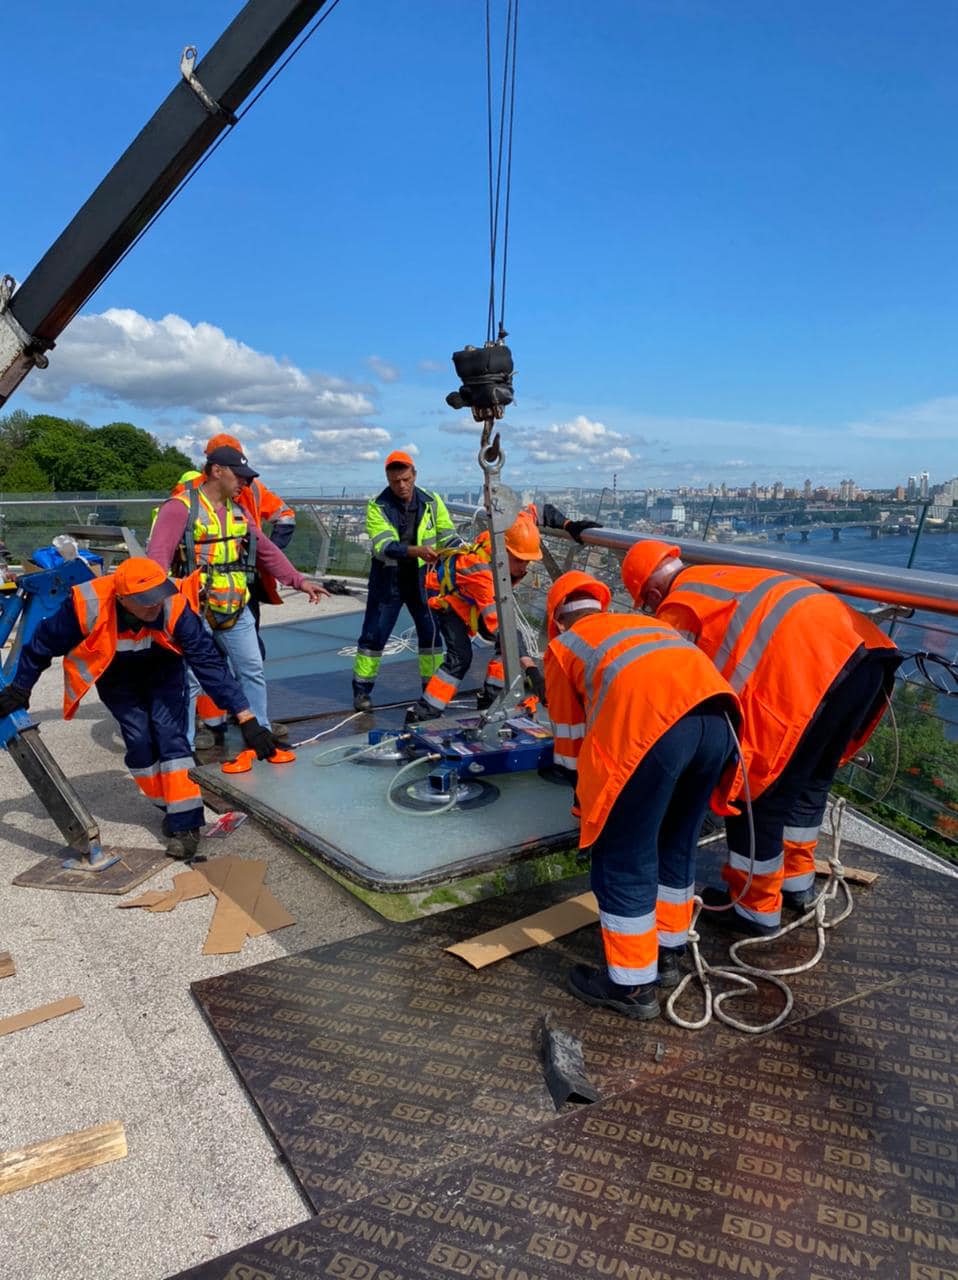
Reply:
x=532 y=931
x=245 y=908
x=43 y=1013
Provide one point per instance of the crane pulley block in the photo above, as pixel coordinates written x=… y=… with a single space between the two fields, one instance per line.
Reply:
x=486 y=376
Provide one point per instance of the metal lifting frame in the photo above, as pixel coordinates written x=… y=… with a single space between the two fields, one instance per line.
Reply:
x=192 y=118
x=501 y=516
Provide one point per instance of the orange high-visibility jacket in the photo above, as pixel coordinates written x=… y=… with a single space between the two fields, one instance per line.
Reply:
x=462 y=581
x=616 y=682
x=781 y=642
x=260 y=504
x=95 y=606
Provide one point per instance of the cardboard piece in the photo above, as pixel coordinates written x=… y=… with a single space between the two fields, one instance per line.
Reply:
x=7 y=967
x=144 y=900
x=43 y=1013
x=41 y=1161
x=245 y=908
x=236 y=896
x=533 y=931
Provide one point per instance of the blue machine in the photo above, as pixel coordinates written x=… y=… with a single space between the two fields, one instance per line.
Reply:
x=23 y=606
x=470 y=750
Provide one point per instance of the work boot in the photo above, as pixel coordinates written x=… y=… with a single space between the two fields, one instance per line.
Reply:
x=419 y=712
x=484 y=700
x=670 y=971
x=731 y=920
x=798 y=900
x=205 y=739
x=279 y=731
x=362 y=702
x=183 y=846
x=595 y=987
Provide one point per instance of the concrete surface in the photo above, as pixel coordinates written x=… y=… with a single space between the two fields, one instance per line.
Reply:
x=201 y=1176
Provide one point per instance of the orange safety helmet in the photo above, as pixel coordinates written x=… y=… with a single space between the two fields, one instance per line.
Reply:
x=567 y=585
x=522 y=537
x=217 y=442
x=641 y=562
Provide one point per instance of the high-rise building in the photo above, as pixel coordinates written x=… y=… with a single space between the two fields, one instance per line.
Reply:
x=807 y=491
x=923 y=485
x=912 y=490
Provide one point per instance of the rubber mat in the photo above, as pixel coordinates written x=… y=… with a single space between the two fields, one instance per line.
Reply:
x=825 y=1151
x=374 y=1059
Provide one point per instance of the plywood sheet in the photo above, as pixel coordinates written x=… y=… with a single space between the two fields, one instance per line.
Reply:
x=42 y=1013
x=135 y=866
x=43 y=1161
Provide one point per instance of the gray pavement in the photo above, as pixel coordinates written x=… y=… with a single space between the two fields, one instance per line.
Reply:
x=201 y=1176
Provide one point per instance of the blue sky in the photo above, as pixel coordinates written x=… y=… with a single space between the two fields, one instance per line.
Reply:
x=733 y=244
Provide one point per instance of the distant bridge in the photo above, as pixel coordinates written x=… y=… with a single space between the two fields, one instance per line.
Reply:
x=875 y=527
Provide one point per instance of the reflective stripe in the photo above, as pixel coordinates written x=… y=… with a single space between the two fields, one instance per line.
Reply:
x=290 y=519
x=763 y=867
x=366 y=667
x=91 y=599
x=618 y=665
x=706 y=589
x=83 y=671
x=568 y=730
x=570 y=762
x=371 y=653
x=134 y=646
x=672 y=937
x=184 y=806
x=802 y=835
x=771 y=919
x=740 y=618
x=599 y=651
x=794 y=884
x=746 y=664
x=665 y=893
x=151 y=771
x=634 y=977
x=173 y=766
x=627 y=925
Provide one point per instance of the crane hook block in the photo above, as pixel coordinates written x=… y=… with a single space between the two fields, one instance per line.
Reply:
x=486 y=377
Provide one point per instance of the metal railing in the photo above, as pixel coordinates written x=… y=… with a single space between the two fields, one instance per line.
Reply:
x=910 y=773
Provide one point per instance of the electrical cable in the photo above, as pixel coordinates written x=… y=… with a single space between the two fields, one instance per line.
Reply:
x=500 y=197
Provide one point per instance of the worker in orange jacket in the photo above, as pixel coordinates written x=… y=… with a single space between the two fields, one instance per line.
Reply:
x=128 y=633
x=462 y=592
x=814 y=677
x=645 y=721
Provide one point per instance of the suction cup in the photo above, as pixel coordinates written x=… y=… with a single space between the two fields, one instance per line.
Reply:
x=420 y=796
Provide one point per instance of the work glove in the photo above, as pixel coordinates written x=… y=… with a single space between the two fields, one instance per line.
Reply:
x=553 y=518
x=13 y=699
x=259 y=739
x=575 y=528
x=535 y=683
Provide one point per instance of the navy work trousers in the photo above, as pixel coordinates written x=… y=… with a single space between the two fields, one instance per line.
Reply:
x=147 y=697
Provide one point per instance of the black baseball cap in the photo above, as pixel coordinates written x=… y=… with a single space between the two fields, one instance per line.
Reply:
x=225 y=456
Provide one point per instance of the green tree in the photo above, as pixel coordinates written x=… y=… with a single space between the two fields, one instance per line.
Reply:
x=135 y=447
x=24 y=475
x=89 y=465
x=161 y=476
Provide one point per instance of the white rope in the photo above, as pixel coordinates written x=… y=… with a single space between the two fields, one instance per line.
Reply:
x=741 y=973
x=395 y=644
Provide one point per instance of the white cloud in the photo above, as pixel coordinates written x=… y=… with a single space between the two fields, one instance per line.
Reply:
x=580 y=443
x=412 y=449
x=431 y=366
x=121 y=355
x=332 y=446
x=929 y=420
x=383 y=370
x=461 y=427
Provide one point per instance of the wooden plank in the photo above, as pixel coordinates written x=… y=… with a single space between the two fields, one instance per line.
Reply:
x=7 y=967
x=26 y=1166
x=854 y=875
x=531 y=931
x=43 y=1013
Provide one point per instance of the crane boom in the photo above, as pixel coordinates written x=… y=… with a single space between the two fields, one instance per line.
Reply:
x=183 y=129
